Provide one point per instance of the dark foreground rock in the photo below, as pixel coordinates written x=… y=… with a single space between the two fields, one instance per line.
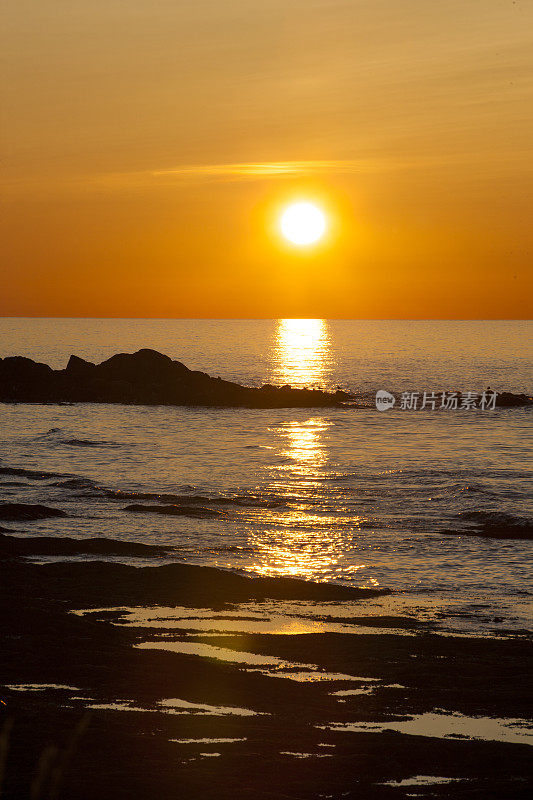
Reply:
x=15 y=546
x=32 y=474
x=15 y=512
x=510 y=400
x=175 y=510
x=86 y=713
x=98 y=583
x=145 y=378
x=493 y=525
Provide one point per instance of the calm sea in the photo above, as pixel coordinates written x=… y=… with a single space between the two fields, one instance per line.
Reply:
x=348 y=495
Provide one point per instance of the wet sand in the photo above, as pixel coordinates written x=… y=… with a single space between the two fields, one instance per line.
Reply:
x=175 y=681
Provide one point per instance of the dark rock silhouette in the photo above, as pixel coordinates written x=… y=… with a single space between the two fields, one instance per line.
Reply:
x=33 y=474
x=27 y=512
x=493 y=525
x=15 y=546
x=151 y=378
x=144 y=378
x=508 y=400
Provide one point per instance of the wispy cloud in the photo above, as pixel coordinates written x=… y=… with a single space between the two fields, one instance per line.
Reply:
x=255 y=171
x=271 y=170
x=189 y=174
x=185 y=174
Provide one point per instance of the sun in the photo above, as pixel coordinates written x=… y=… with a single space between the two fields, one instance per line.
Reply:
x=303 y=223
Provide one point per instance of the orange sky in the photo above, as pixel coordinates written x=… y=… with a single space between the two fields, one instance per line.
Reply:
x=148 y=147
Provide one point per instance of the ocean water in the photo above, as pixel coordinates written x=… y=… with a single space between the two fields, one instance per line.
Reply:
x=352 y=495
x=359 y=355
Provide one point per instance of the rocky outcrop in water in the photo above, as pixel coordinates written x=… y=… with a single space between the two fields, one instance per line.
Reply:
x=509 y=400
x=151 y=378
x=144 y=378
x=15 y=512
x=493 y=525
x=17 y=546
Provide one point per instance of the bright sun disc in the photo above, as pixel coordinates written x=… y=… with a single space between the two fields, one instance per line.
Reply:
x=303 y=223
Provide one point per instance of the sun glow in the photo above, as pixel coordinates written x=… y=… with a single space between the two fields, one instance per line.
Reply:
x=303 y=223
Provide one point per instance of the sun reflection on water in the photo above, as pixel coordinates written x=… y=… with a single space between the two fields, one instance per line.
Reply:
x=308 y=554
x=307 y=539
x=304 y=447
x=302 y=349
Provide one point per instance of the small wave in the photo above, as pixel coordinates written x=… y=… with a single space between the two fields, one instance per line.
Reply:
x=348 y=476
x=471 y=488
x=371 y=524
x=252 y=501
x=58 y=436
x=35 y=475
x=179 y=499
x=470 y=474
x=75 y=483
x=175 y=511
x=245 y=500
x=88 y=443
x=494 y=525
x=51 y=433
x=496 y=518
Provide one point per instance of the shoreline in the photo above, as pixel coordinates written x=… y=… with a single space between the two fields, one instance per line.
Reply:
x=156 y=704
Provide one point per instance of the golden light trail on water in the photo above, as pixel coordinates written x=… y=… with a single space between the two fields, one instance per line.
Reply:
x=304 y=541
x=302 y=348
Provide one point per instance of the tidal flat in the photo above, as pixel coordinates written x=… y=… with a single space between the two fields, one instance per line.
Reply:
x=169 y=680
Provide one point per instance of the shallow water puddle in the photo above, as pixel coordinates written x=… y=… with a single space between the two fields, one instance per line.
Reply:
x=306 y=755
x=310 y=675
x=369 y=690
x=443 y=726
x=275 y=667
x=281 y=617
x=119 y=705
x=174 y=705
x=420 y=780
x=208 y=651
x=445 y=615
x=38 y=687
x=207 y=741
